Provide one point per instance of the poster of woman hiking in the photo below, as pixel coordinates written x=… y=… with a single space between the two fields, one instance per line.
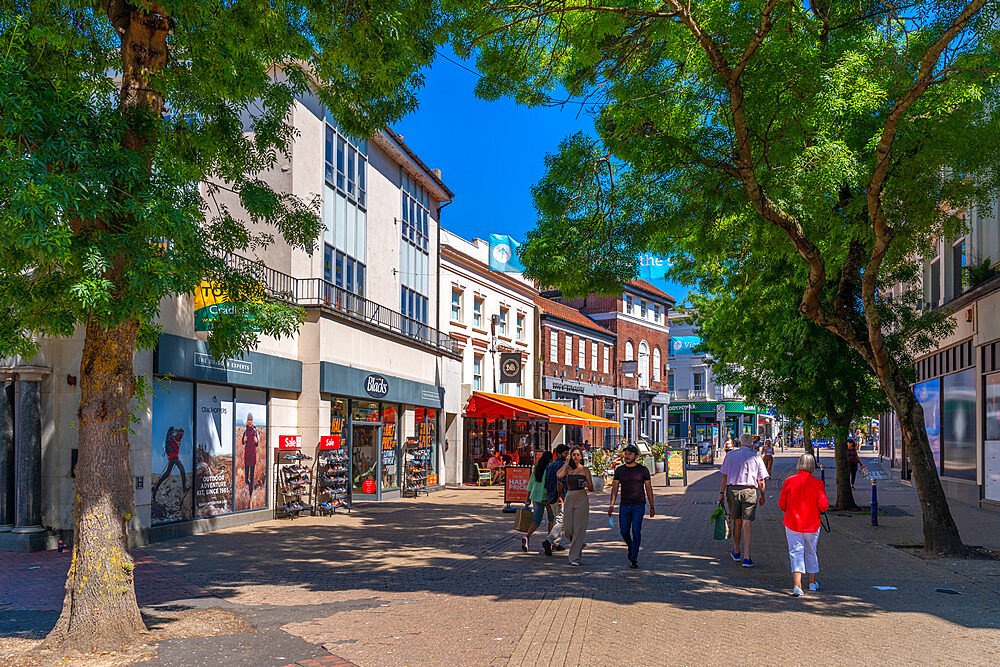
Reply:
x=173 y=446
x=250 y=452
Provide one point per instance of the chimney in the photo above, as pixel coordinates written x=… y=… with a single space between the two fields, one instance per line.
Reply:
x=436 y=172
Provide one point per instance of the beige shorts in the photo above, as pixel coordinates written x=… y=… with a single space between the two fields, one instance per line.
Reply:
x=742 y=502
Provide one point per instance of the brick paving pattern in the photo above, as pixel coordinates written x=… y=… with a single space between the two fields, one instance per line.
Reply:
x=441 y=580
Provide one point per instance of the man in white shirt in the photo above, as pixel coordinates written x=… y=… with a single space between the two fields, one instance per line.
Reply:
x=743 y=475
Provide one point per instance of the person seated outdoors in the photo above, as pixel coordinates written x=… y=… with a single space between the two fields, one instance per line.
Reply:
x=508 y=460
x=495 y=464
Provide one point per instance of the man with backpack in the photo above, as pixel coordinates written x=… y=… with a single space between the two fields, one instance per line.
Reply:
x=556 y=492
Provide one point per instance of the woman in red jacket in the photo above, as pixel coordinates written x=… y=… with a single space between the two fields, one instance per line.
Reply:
x=803 y=498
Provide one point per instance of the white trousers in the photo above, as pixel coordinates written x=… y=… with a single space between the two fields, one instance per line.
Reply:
x=802 y=551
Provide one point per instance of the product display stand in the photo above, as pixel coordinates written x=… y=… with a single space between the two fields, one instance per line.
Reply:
x=333 y=492
x=293 y=483
x=415 y=468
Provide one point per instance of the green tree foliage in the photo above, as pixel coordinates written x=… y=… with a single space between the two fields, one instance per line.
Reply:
x=749 y=321
x=125 y=128
x=852 y=129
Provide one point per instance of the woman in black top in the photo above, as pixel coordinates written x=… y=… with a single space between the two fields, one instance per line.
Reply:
x=576 y=506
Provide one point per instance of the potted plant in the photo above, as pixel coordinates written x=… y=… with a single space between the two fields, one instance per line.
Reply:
x=659 y=451
x=598 y=468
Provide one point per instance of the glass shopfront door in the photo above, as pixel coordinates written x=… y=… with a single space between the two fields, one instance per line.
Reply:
x=364 y=460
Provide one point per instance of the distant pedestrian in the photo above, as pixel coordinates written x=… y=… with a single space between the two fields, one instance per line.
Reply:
x=556 y=492
x=853 y=460
x=636 y=489
x=538 y=495
x=576 y=510
x=729 y=442
x=767 y=454
x=743 y=475
x=756 y=443
x=802 y=499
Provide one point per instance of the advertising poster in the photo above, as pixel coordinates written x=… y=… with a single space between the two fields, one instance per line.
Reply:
x=214 y=451
x=173 y=449
x=516 y=480
x=675 y=464
x=993 y=406
x=929 y=395
x=251 y=449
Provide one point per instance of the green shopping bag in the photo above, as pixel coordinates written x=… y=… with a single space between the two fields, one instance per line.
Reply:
x=721 y=520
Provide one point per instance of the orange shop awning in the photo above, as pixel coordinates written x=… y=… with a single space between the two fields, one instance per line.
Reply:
x=499 y=406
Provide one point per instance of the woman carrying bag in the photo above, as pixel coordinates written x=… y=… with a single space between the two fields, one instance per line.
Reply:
x=803 y=499
x=538 y=496
x=576 y=507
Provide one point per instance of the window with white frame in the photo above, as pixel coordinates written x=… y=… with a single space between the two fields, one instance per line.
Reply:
x=628 y=304
x=643 y=365
x=553 y=347
x=520 y=326
x=607 y=358
x=568 y=358
x=593 y=355
x=581 y=357
x=698 y=381
x=477 y=312
x=629 y=355
x=456 y=304
x=656 y=312
x=656 y=364
x=502 y=324
x=477 y=372
x=642 y=308
x=345 y=217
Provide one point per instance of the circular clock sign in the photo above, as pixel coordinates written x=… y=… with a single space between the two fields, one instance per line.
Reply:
x=368 y=486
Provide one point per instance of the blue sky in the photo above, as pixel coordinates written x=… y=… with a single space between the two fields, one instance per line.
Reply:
x=489 y=153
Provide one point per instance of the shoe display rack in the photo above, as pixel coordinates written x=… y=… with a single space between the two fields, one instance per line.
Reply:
x=416 y=468
x=332 y=482
x=294 y=483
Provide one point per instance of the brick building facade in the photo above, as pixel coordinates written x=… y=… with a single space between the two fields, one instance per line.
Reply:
x=635 y=329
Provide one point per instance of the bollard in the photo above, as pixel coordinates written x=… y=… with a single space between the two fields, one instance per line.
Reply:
x=874 y=502
x=61 y=546
x=822 y=474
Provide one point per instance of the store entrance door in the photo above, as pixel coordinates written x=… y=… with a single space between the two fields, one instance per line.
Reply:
x=364 y=461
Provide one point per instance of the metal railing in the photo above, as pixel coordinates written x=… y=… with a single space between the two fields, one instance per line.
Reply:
x=317 y=292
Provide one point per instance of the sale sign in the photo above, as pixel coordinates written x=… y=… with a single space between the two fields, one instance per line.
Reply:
x=368 y=486
x=329 y=442
x=515 y=488
x=289 y=442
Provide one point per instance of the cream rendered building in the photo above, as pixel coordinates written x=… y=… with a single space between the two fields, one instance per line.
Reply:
x=369 y=366
x=488 y=313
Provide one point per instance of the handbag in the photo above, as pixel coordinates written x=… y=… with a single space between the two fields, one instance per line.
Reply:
x=721 y=523
x=522 y=522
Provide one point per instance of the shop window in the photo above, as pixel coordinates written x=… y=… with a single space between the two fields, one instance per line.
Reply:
x=929 y=396
x=213 y=480
x=993 y=406
x=173 y=451
x=958 y=425
x=364 y=411
x=425 y=425
x=390 y=447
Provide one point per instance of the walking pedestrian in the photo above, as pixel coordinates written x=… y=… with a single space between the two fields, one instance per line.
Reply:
x=767 y=454
x=743 y=475
x=576 y=506
x=556 y=490
x=636 y=488
x=802 y=499
x=538 y=495
x=853 y=460
x=729 y=442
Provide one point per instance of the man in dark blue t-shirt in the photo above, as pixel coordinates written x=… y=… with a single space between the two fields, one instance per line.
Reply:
x=636 y=487
x=557 y=491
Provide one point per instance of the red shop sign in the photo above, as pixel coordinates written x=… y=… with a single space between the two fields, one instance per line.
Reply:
x=329 y=442
x=289 y=442
x=368 y=486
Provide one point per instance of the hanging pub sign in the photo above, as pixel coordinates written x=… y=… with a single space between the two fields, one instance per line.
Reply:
x=510 y=368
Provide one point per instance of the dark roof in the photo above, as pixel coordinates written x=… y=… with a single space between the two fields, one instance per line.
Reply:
x=569 y=314
x=649 y=289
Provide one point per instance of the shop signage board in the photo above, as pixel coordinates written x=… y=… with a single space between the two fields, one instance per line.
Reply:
x=720 y=413
x=515 y=489
x=289 y=442
x=210 y=301
x=510 y=368
x=329 y=442
x=676 y=467
x=376 y=386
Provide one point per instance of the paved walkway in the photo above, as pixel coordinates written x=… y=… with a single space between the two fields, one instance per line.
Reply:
x=442 y=580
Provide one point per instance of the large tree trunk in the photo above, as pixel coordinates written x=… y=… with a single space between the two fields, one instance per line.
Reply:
x=941 y=534
x=100 y=612
x=845 y=496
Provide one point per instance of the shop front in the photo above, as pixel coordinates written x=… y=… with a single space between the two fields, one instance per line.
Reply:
x=210 y=428
x=518 y=428
x=389 y=427
x=695 y=421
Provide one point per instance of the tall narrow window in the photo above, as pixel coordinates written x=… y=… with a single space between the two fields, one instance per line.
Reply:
x=656 y=364
x=344 y=214
x=607 y=358
x=502 y=325
x=553 y=347
x=958 y=268
x=629 y=355
x=477 y=372
x=643 y=365
x=935 y=280
x=477 y=312
x=413 y=246
x=520 y=326
x=593 y=355
x=456 y=305
x=568 y=360
x=581 y=357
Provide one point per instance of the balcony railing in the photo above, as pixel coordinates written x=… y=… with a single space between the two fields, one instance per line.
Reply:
x=317 y=292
